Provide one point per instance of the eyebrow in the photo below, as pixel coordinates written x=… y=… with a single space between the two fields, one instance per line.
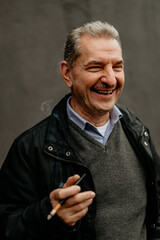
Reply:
x=92 y=62
x=100 y=63
x=120 y=62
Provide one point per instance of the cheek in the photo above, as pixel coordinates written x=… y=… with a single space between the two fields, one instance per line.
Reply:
x=90 y=80
x=121 y=85
x=85 y=80
x=121 y=80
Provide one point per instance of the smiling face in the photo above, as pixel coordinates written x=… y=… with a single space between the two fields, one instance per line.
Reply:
x=96 y=78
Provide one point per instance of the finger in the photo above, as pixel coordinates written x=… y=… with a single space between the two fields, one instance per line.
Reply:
x=71 y=215
x=79 y=197
x=71 y=180
x=77 y=216
x=79 y=207
x=63 y=193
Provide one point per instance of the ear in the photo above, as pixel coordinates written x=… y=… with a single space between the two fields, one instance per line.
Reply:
x=66 y=73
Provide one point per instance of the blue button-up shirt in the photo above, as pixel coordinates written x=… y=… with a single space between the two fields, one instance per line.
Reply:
x=102 y=133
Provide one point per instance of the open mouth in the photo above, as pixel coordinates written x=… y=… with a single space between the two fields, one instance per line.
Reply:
x=104 y=92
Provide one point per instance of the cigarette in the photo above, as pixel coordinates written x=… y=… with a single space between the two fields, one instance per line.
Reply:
x=60 y=203
x=53 y=212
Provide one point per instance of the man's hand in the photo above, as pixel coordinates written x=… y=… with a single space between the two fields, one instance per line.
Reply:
x=76 y=206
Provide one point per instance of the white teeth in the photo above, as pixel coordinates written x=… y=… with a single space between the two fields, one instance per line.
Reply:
x=105 y=92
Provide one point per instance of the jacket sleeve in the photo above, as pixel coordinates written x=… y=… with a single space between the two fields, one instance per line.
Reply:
x=23 y=208
x=155 y=231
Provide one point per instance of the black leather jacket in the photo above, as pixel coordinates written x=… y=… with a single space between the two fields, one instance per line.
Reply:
x=42 y=158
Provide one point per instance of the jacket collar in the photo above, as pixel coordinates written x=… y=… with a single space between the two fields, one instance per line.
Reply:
x=58 y=139
x=131 y=122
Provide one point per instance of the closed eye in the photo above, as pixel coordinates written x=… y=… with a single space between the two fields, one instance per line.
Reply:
x=118 y=67
x=94 y=68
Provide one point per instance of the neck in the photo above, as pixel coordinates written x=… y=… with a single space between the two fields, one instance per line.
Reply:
x=96 y=118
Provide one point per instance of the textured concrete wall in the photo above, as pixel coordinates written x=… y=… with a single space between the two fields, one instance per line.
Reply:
x=32 y=33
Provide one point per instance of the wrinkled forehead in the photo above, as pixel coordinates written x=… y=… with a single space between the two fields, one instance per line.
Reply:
x=93 y=47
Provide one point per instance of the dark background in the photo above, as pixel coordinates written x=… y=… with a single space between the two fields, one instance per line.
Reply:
x=32 y=34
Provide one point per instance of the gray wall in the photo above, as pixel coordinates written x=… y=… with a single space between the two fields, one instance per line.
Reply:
x=32 y=33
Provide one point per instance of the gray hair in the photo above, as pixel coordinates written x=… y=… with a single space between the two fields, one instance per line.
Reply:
x=94 y=29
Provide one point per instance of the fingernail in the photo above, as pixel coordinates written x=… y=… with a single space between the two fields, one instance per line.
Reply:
x=93 y=194
x=78 y=188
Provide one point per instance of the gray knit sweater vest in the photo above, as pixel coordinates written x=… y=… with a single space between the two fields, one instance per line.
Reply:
x=119 y=181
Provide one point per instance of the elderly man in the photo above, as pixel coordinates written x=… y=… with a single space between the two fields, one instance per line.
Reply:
x=89 y=133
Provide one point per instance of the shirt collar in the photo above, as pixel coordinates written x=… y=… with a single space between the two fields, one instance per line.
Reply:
x=75 y=117
x=115 y=115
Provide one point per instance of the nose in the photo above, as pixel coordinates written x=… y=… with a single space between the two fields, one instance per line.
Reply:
x=108 y=77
